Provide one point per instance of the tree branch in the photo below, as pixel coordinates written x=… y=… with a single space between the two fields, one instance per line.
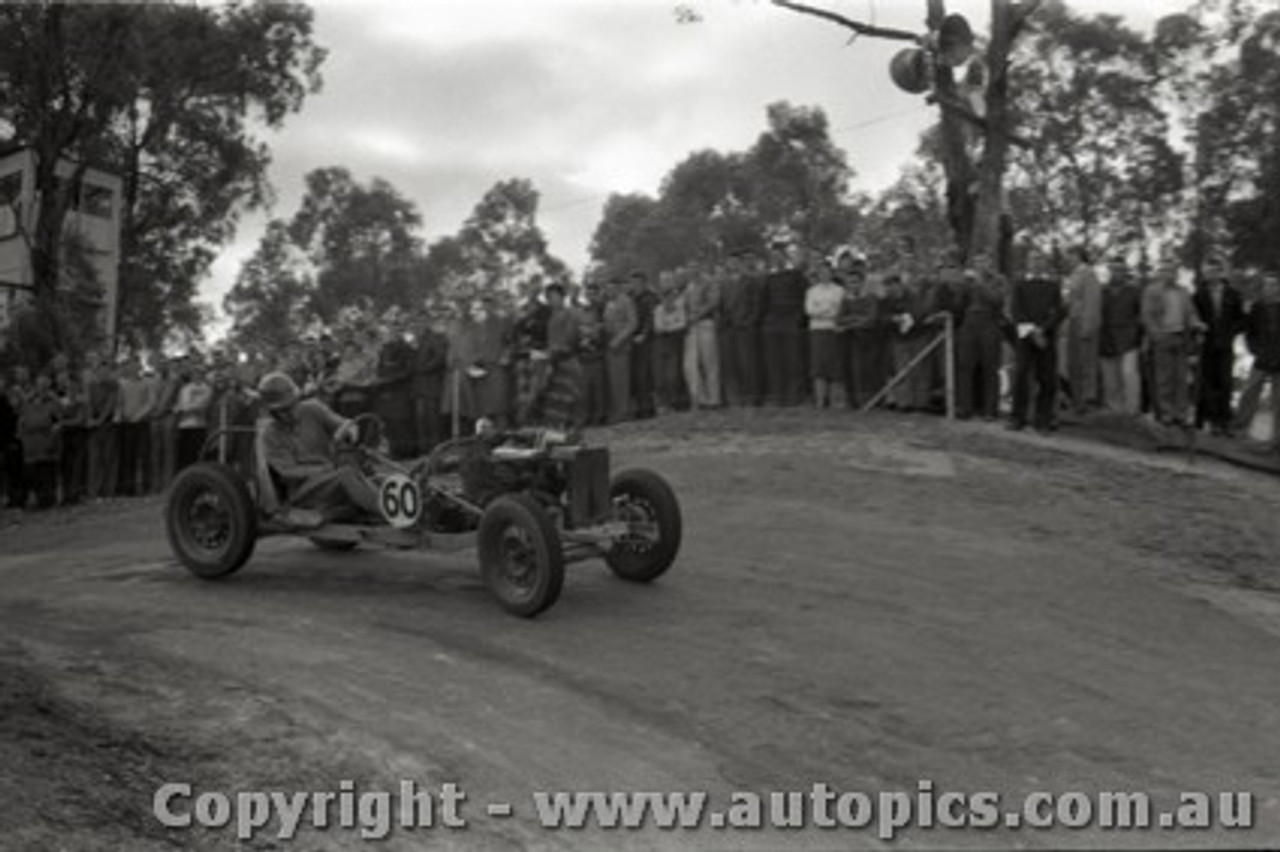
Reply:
x=959 y=108
x=857 y=26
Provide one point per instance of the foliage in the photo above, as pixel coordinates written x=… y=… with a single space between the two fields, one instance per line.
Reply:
x=361 y=241
x=166 y=95
x=1103 y=172
x=793 y=181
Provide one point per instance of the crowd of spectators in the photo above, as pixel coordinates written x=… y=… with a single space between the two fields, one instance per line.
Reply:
x=794 y=328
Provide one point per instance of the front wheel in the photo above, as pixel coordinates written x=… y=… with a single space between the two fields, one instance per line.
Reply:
x=211 y=520
x=521 y=561
x=648 y=505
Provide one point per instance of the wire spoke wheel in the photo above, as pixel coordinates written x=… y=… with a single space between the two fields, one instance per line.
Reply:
x=648 y=506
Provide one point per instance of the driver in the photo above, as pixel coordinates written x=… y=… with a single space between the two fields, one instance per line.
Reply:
x=298 y=439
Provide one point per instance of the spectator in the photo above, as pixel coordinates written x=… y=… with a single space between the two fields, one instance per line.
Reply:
x=1119 y=339
x=620 y=325
x=1036 y=310
x=1221 y=308
x=104 y=434
x=73 y=417
x=493 y=362
x=531 y=373
x=980 y=342
x=642 y=384
x=907 y=307
x=946 y=299
x=10 y=455
x=740 y=326
x=1262 y=333
x=822 y=305
x=192 y=409
x=865 y=331
x=670 y=322
x=592 y=345
x=133 y=413
x=428 y=388
x=912 y=306
x=1084 y=325
x=38 y=431
x=1170 y=322
x=392 y=400
x=558 y=405
x=464 y=351
x=701 y=345
x=164 y=432
x=782 y=324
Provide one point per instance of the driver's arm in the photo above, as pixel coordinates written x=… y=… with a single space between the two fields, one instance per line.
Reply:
x=283 y=459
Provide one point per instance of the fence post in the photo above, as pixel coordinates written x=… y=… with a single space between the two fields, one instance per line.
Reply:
x=905 y=371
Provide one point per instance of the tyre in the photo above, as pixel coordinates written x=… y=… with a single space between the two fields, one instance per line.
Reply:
x=649 y=505
x=211 y=520
x=336 y=545
x=521 y=562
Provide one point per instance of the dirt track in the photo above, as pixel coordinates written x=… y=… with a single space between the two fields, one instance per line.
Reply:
x=865 y=602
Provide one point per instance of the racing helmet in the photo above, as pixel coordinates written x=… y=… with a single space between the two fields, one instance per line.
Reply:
x=277 y=391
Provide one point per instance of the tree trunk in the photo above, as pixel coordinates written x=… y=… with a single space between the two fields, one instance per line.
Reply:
x=955 y=157
x=995 y=150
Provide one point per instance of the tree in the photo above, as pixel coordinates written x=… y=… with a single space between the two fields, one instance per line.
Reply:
x=975 y=191
x=361 y=240
x=165 y=95
x=798 y=178
x=793 y=181
x=1103 y=172
x=1222 y=66
x=500 y=248
x=270 y=303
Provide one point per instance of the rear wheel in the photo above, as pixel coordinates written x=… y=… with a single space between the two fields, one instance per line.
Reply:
x=648 y=505
x=211 y=520
x=521 y=561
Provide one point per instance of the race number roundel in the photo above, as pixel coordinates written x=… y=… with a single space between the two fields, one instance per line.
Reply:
x=400 y=501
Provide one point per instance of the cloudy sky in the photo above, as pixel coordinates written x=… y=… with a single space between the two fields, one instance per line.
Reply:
x=585 y=98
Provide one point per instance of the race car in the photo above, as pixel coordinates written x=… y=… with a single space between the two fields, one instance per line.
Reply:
x=529 y=501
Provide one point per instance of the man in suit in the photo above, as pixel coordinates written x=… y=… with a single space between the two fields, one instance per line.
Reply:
x=1036 y=312
x=783 y=323
x=1084 y=324
x=740 y=325
x=1221 y=308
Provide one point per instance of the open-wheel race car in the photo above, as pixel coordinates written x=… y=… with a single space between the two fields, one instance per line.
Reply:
x=529 y=501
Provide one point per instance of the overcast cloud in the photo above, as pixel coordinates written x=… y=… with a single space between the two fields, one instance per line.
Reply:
x=585 y=98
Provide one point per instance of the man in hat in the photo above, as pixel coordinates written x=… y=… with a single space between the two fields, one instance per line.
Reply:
x=590 y=314
x=557 y=401
x=1084 y=324
x=702 y=348
x=298 y=442
x=642 y=383
x=980 y=342
x=1171 y=323
x=1221 y=307
x=620 y=326
x=1119 y=336
x=783 y=324
x=1262 y=332
x=1037 y=311
x=740 y=324
x=428 y=386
